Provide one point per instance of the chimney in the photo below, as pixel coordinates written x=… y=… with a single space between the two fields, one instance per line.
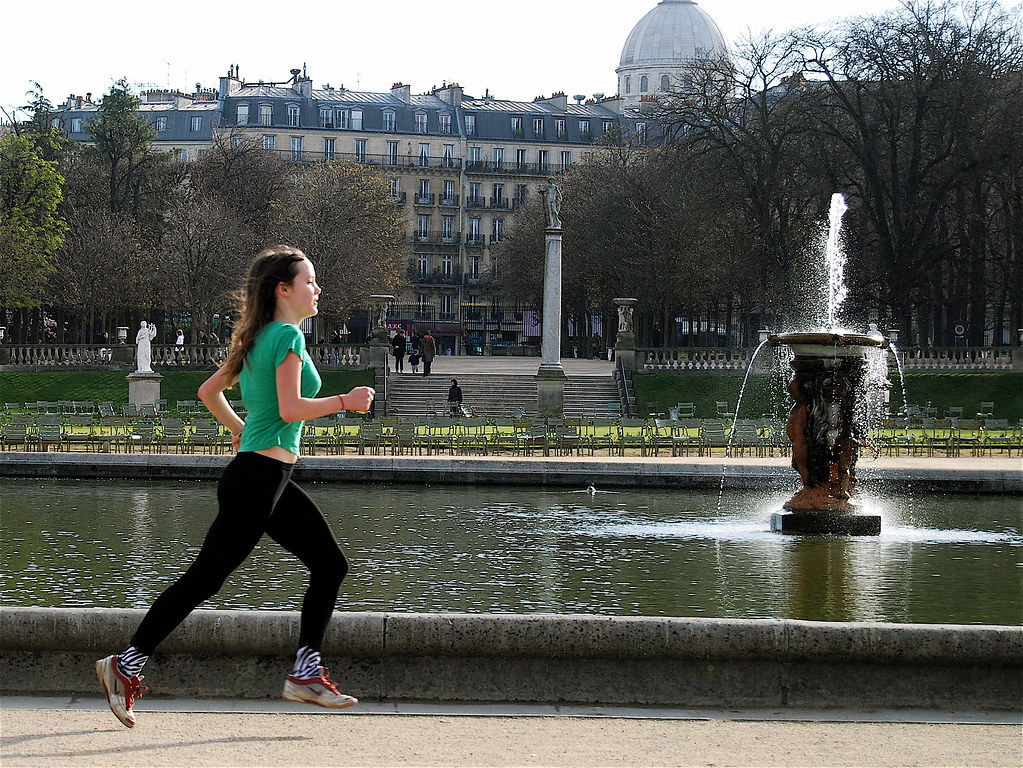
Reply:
x=231 y=84
x=451 y=94
x=557 y=100
x=402 y=91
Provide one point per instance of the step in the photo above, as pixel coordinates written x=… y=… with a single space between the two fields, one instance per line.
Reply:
x=498 y=394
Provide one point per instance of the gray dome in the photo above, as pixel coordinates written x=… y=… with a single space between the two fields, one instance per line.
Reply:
x=674 y=31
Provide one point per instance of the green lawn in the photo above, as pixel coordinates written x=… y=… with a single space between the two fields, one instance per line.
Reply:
x=97 y=386
x=765 y=392
x=655 y=392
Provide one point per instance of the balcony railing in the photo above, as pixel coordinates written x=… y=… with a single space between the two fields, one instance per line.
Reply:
x=387 y=161
x=435 y=277
x=515 y=168
x=437 y=237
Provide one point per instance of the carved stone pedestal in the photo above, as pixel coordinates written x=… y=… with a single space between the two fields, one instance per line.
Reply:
x=144 y=388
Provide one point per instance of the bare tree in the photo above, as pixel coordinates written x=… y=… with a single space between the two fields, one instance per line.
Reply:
x=102 y=269
x=909 y=99
x=341 y=214
x=203 y=253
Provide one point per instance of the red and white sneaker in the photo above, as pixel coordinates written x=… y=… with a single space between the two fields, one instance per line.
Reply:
x=121 y=691
x=320 y=691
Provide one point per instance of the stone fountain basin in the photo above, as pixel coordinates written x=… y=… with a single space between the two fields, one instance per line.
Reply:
x=828 y=343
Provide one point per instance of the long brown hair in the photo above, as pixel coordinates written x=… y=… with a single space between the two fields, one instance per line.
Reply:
x=258 y=301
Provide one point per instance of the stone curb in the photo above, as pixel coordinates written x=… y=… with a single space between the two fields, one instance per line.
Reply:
x=541 y=658
x=627 y=472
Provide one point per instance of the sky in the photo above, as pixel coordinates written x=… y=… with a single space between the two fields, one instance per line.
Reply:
x=517 y=50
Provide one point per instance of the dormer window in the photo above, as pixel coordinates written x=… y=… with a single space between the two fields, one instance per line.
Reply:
x=389 y=120
x=294 y=115
x=420 y=122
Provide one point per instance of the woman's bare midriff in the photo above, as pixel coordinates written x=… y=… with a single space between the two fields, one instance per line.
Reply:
x=281 y=454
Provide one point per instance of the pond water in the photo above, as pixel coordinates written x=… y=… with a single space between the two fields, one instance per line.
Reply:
x=494 y=549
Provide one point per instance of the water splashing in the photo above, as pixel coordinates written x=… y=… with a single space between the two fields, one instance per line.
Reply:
x=835 y=259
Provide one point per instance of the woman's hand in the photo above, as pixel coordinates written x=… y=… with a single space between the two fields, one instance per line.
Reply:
x=359 y=399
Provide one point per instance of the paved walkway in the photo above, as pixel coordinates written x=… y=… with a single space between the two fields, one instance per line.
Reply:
x=456 y=366
x=45 y=732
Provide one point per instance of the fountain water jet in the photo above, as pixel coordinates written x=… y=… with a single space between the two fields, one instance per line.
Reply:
x=825 y=423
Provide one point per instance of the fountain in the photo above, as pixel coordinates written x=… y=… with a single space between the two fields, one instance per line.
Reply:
x=827 y=421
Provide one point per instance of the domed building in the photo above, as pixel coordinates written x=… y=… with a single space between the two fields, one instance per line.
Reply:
x=672 y=37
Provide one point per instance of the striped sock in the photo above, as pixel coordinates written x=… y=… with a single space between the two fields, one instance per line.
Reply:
x=131 y=661
x=307 y=663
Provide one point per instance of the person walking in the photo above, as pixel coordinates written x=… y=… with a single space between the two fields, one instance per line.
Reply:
x=256 y=494
x=399 y=346
x=455 y=398
x=428 y=350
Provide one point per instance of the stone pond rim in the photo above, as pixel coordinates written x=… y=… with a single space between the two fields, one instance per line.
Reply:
x=827 y=343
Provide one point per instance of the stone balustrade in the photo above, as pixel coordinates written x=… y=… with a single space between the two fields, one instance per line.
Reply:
x=694 y=358
x=962 y=359
x=912 y=359
x=122 y=356
x=650 y=359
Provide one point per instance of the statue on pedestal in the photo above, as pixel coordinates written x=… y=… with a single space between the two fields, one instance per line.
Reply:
x=552 y=199
x=144 y=348
x=624 y=318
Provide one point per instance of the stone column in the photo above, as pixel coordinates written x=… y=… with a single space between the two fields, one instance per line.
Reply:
x=379 y=345
x=625 y=344
x=551 y=378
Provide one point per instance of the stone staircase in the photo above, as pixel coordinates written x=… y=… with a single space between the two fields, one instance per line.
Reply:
x=497 y=394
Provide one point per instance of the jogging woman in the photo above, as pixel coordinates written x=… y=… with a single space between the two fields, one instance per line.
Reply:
x=256 y=495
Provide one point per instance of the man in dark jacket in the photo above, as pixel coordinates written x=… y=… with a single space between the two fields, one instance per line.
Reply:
x=455 y=398
x=428 y=348
x=399 y=346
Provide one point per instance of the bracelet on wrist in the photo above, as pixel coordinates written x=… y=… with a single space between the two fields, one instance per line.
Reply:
x=342 y=399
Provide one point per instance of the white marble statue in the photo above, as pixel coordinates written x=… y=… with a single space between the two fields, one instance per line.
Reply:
x=144 y=347
x=624 y=318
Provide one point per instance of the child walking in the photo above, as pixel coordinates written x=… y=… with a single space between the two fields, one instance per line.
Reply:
x=256 y=494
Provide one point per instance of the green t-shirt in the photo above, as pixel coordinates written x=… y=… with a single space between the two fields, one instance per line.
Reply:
x=264 y=427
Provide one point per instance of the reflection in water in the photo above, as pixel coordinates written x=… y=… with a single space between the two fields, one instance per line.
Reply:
x=492 y=549
x=141 y=530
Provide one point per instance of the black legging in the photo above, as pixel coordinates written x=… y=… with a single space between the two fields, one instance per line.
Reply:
x=256 y=496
